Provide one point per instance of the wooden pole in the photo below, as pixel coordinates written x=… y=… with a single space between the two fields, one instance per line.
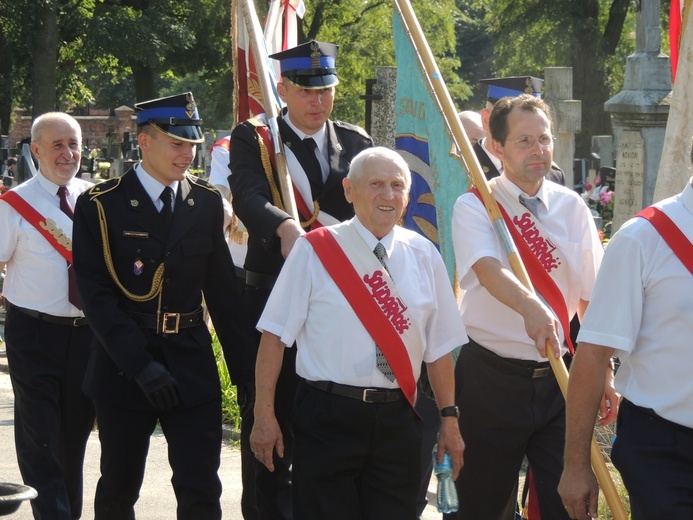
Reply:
x=479 y=179
x=271 y=110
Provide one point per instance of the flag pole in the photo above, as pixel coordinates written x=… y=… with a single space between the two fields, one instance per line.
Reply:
x=479 y=179
x=271 y=110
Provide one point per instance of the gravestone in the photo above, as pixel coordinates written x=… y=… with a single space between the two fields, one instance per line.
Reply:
x=639 y=116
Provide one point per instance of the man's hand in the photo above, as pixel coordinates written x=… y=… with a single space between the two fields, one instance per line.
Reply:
x=541 y=325
x=158 y=386
x=450 y=441
x=228 y=213
x=266 y=435
x=608 y=408
x=288 y=232
x=579 y=491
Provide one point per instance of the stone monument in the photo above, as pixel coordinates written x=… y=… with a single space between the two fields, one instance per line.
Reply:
x=639 y=116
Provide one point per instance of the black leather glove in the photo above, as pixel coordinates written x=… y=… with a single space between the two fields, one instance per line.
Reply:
x=158 y=386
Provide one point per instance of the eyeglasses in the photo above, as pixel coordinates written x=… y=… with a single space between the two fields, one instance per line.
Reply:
x=525 y=142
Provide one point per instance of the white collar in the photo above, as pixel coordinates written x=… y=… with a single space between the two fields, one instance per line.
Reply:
x=320 y=137
x=388 y=241
x=152 y=186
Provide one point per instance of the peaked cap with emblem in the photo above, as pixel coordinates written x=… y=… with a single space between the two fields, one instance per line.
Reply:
x=175 y=116
x=512 y=86
x=309 y=65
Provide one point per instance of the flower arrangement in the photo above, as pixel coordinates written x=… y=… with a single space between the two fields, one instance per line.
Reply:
x=104 y=168
x=599 y=198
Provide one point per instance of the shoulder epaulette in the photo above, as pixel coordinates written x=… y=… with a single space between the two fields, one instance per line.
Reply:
x=103 y=187
x=201 y=183
x=352 y=128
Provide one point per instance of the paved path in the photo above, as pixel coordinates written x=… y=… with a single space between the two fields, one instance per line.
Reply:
x=157 y=501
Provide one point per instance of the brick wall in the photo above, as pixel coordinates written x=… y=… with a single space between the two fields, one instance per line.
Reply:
x=96 y=125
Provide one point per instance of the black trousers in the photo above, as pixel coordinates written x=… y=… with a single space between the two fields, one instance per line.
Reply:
x=503 y=417
x=655 y=458
x=428 y=411
x=194 y=451
x=266 y=494
x=354 y=460
x=52 y=416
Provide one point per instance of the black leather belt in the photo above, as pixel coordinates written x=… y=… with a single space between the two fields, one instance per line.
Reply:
x=259 y=280
x=169 y=322
x=67 y=321
x=521 y=367
x=240 y=272
x=367 y=395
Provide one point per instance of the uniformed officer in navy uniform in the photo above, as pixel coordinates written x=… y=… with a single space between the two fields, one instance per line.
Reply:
x=147 y=247
x=498 y=88
x=317 y=168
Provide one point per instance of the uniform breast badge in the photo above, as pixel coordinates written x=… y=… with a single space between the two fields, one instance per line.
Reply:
x=137 y=267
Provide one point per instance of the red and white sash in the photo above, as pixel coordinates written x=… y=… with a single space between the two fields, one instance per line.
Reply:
x=299 y=179
x=372 y=295
x=540 y=255
x=671 y=234
x=56 y=227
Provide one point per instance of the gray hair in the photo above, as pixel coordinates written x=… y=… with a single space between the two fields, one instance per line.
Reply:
x=53 y=117
x=358 y=164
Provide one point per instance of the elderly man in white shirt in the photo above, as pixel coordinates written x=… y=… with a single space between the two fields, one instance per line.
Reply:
x=357 y=437
x=46 y=333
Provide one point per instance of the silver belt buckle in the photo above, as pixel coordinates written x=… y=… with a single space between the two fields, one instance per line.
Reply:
x=166 y=326
x=364 y=397
x=541 y=372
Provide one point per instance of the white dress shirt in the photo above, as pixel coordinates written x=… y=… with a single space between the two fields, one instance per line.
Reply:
x=36 y=273
x=643 y=306
x=570 y=227
x=307 y=307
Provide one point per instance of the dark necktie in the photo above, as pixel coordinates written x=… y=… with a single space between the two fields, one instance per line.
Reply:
x=531 y=203
x=380 y=359
x=320 y=163
x=167 y=210
x=72 y=292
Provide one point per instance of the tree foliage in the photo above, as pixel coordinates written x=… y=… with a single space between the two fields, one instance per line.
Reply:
x=588 y=35
x=57 y=54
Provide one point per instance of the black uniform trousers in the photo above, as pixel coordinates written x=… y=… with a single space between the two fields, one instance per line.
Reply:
x=507 y=411
x=655 y=459
x=194 y=438
x=266 y=494
x=52 y=416
x=354 y=460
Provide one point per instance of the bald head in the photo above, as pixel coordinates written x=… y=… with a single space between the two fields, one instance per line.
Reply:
x=472 y=124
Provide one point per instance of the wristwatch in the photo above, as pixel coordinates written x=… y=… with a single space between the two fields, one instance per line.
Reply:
x=450 y=411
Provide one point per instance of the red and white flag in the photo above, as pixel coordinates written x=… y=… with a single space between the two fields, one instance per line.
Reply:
x=675 y=19
x=248 y=100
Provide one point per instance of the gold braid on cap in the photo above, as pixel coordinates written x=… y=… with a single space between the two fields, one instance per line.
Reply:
x=158 y=274
x=267 y=166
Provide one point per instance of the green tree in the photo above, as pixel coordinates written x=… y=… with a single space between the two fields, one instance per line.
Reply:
x=588 y=35
x=363 y=30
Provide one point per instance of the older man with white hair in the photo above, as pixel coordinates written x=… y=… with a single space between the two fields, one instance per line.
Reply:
x=366 y=302
x=46 y=332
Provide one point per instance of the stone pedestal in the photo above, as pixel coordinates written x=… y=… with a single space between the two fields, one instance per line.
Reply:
x=384 y=106
x=639 y=116
x=567 y=117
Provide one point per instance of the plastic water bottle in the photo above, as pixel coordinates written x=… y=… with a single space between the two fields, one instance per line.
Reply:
x=447 y=493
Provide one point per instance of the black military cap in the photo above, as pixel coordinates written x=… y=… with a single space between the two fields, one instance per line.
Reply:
x=512 y=86
x=309 y=65
x=175 y=116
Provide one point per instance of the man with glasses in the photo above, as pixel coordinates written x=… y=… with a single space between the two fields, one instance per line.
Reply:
x=510 y=403
x=497 y=89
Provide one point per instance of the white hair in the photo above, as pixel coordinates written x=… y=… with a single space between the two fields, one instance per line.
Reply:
x=53 y=117
x=358 y=164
